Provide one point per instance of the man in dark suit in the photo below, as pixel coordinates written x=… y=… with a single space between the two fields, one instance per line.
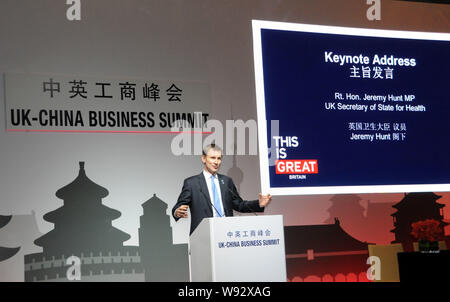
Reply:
x=210 y=194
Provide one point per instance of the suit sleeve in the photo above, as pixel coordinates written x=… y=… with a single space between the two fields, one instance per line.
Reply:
x=185 y=198
x=244 y=206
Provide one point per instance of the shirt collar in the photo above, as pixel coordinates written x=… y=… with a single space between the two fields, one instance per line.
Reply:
x=208 y=175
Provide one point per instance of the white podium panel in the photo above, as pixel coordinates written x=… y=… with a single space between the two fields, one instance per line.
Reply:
x=238 y=249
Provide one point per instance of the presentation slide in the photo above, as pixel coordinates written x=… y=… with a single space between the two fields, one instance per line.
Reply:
x=351 y=110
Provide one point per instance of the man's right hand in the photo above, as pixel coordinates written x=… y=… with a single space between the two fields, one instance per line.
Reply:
x=182 y=211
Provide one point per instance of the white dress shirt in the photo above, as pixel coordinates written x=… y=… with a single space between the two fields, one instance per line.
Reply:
x=211 y=196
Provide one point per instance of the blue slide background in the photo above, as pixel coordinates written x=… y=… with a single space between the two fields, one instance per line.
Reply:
x=298 y=82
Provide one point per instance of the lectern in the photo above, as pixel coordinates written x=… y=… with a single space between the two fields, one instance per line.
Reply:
x=238 y=249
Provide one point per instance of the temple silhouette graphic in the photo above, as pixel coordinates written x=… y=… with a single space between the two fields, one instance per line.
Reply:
x=83 y=228
x=371 y=222
x=324 y=253
x=412 y=208
x=6 y=252
x=20 y=231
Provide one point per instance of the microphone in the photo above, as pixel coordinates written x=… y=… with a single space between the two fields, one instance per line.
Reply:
x=218 y=214
x=240 y=199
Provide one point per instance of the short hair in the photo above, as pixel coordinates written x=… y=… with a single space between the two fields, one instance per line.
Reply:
x=209 y=147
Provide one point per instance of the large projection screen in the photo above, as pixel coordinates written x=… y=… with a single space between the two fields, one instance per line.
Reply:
x=351 y=110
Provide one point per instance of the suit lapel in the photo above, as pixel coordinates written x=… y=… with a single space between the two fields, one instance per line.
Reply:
x=223 y=192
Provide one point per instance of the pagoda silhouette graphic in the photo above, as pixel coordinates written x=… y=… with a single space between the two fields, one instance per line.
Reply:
x=83 y=228
x=161 y=259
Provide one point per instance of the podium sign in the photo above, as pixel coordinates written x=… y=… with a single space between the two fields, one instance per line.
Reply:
x=238 y=249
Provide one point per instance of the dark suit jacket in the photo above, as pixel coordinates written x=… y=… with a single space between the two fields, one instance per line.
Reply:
x=195 y=194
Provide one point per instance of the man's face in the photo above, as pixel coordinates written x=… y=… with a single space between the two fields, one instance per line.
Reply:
x=212 y=161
